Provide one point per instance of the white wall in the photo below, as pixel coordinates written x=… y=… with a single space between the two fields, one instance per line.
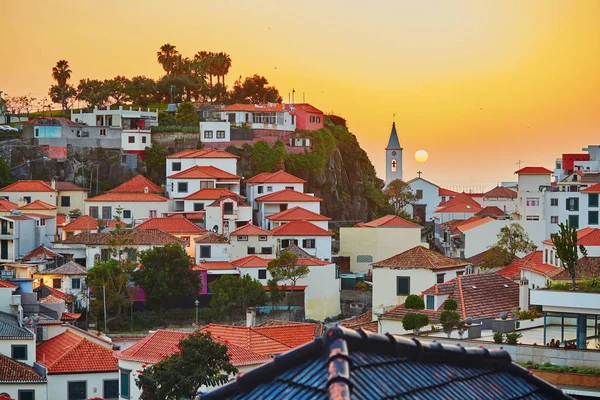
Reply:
x=505 y=204
x=225 y=164
x=226 y=223
x=6 y=346
x=193 y=185
x=252 y=190
x=265 y=209
x=141 y=140
x=133 y=366
x=218 y=252
x=320 y=224
x=139 y=210
x=212 y=127
x=58 y=384
x=322 y=248
x=12 y=389
x=239 y=248
x=431 y=197
x=46 y=197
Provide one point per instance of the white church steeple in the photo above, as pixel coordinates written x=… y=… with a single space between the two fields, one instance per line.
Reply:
x=393 y=157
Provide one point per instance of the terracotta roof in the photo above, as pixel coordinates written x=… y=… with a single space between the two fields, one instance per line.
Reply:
x=209 y=194
x=171 y=225
x=208 y=153
x=306 y=107
x=60 y=219
x=67 y=186
x=447 y=192
x=420 y=257
x=300 y=228
x=134 y=237
x=51 y=299
x=287 y=195
x=205 y=172
x=12 y=371
x=70 y=268
x=213 y=265
x=6 y=205
x=501 y=192
x=297 y=214
x=8 y=285
x=250 y=230
x=534 y=171
x=491 y=211
x=248 y=338
x=533 y=261
x=477 y=259
x=592 y=189
x=16 y=217
x=390 y=221
x=295 y=249
x=83 y=223
x=477 y=295
x=275 y=177
x=5 y=397
x=240 y=200
x=37 y=205
x=459 y=208
x=256 y=108
x=28 y=186
x=474 y=224
x=291 y=334
x=363 y=321
x=69 y=353
x=40 y=253
x=460 y=199
x=55 y=292
x=211 y=237
x=128 y=197
x=69 y=317
x=251 y=261
x=319 y=327
x=588 y=268
x=138 y=184
x=587 y=237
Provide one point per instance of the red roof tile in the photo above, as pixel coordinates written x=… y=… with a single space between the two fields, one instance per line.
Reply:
x=459 y=208
x=135 y=237
x=534 y=171
x=128 y=197
x=533 y=261
x=69 y=268
x=300 y=228
x=7 y=285
x=460 y=199
x=211 y=237
x=592 y=189
x=363 y=321
x=491 y=211
x=247 y=338
x=420 y=257
x=205 y=172
x=250 y=230
x=83 y=223
x=588 y=268
x=171 y=225
x=67 y=186
x=501 y=192
x=252 y=261
x=56 y=293
x=275 y=177
x=209 y=194
x=69 y=353
x=28 y=186
x=6 y=205
x=306 y=107
x=208 y=153
x=138 y=184
x=390 y=221
x=297 y=214
x=37 y=205
x=69 y=317
x=40 y=253
x=474 y=224
x=60 y=219
x=287 y=195
x=587 y=236
x=447 y=192
x=293 y=335
x=12 y=371
x=213 y=265
x=256 y=108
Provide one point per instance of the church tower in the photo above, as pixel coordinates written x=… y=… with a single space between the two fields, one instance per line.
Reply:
x=393 y=157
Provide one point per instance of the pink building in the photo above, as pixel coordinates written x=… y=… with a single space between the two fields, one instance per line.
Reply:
x=307 y=117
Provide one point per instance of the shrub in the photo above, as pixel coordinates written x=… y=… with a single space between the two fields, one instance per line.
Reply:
x=414 y=302
x=529 y=314
x=513 y=337
x=414 y=322
x=498 y=337
x=450 y=305
x=449 y=320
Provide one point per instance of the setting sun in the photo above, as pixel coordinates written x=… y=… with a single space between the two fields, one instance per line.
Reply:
x=421 y=156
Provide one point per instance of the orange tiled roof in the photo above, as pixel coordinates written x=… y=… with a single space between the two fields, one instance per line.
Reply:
x=587 y=236
x=501 y=192
x=390 y=221
x=83 y=223
x=306 y=107
x=533 y=261
x=363 y=321
x=490 y=211
x=300 y=228
x=67 y=186
x=248 y=338
x=69 y=353
x=588 y=268
x=460 y=199
x=12 y=371
x=56 y=293
x=287 y=195
x=212 y=265
x=209 y=194
x=137 y=184
x=474 y=223
x=459 y=208
x=40 y=253
x=534 y=171
x=420 y=257
x=135 y=237
x=208 y=153
x=37 y=205
x=205 y=172
x=60 y=219
x=297 y=214
x=251 y=261
x=7 y=285
x=69 y=317
x=28 y=186
x=275 y=177
x=250 y=230
x=6 y=205
x=211 y=237
x=447 y=192
x=592 y=189
x=291 y=334
x=171 y=225
x=128 y=197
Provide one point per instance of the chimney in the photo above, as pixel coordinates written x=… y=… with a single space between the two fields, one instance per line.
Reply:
x=524 y=294
x=250 y=317
x=53 y=183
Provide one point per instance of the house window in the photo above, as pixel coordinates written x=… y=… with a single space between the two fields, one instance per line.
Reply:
x=176 y=166
x=440 y=278
x=592 y=217
x=394 y=165
x=228 y=208
x=182 y=187
x=106 y=212
x=26 y=395
x=208 y=134
x=65 y=201
x=533 y=202
x=308 y=243
x=318 y=119
x=259 y=189
x=124 y=378
x=204 y=251
x=532 y=218
x=220 y=134
x=131 y=139
x=262 y=274
x=57 y=283
x=402 y=285
x=554 y=219
x=593 y=199
x=127 y=214
x=18 y=352
x=102 y=132
x=27 y=199
x=546 y=256
x=554 y=202
x=152 y=213
x=283 y=207
x=76 y=283
x=242 y=238
x=266 y=250
x=574 y=221
x=110 y=389
x=187 y=240
x=312 y=118
x=430 y=302
x=143 y=139
x=364 y=258
x=288 y=242
x=104 y=254
x=251 y=250
x=269 y=189
x=419 y=194
x=573 y=204
x=41 y=222
x=262 y=238
x=37 y=132
x=77 y=390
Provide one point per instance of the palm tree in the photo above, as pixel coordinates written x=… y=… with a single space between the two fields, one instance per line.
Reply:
x=61 y=73
x=225 y=65
x=167 y=57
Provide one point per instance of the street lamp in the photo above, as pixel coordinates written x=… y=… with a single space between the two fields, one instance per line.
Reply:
x=197 y=303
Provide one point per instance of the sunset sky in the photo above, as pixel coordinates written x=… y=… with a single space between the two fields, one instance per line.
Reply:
x=480 y=85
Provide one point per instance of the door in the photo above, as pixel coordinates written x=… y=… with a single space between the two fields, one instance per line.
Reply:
x=420 y=211
x=4 y=249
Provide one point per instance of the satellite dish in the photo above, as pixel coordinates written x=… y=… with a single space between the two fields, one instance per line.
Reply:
x=215 y=229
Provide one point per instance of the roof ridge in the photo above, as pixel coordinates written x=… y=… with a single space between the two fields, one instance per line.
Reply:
x=68 y=350
x=461 y=296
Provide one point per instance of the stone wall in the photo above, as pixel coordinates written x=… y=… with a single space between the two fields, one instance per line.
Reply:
x=355 y=302
x=176 y=140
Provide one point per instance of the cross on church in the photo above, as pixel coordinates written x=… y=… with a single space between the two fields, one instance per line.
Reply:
x=419 y=173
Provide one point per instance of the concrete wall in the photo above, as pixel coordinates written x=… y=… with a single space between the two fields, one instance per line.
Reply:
x=252 y=190
x=239 y=248
x=46 y=197
x=322 y=248
x=13 y=389
x=139 y=210
x=209 y=129
x=6 y=346
x=77 y=200
x=355 y=302
x=58 y=384
x=218 y=252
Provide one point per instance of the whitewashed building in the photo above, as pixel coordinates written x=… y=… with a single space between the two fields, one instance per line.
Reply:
x=227 y=213
x=312 y=239
x=429 y=196
x=260 y=116
x=204 y=158
x=297 y=213
x=215 y=131
x=270 y=182
x=182 y=184
x=282 y=200
x=250 y=239
x=135 y=206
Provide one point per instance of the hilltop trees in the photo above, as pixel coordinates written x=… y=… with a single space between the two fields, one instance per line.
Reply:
x=254 y=90
x=62 y=92
x=167 y=56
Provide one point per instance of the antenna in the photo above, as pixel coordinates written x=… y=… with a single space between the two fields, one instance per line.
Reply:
x=519 y=163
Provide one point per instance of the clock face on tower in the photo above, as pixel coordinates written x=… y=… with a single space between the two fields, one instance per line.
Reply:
x=393 y=153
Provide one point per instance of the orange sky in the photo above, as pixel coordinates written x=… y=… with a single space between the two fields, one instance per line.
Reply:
x=478 y=84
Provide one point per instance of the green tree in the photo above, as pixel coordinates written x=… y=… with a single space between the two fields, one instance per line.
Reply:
x=141 y=90
x=167 y=57
x=513 y=239
x=496 y=257
x=166 y=276
x=94 y=92
x=449 y=318
x=399 y=194
x=108 y=277
x=567 y=249
x=5 y=178
x=117 y=89
x=275 y=293
x=187 y=114
x=286 y=268
x=198 y=361
x=62 y=92
x=231 y=293
x=156 y=162
x=414 y=321
x=254 y=90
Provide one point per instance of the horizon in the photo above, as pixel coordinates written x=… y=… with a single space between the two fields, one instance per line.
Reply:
x=504 y=95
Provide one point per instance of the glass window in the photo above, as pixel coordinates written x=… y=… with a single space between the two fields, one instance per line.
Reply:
x=260 y=189
x=124 y=378
x=266 y=250
x=65 y=201
x=593 y=199
x=110 y=389
x=554 y=202
x=394 y=165
x=127 y=214
x=269 y=188
x=93 y=210
x=182 y=187
x=573 y=204
x=402 y=285
x=198 y=206
x=228 y=208
x=57 y=283
x=308 y=243
x=27 y=199
x=104 y=254
x=143 y=139
x=208 y=134
x=220 y=134
x=554 y=219
x=26 y=395
x=106 y=212
x=593 y=217
x=574 y=221
x=19 y=352
x=131 y=139
x=76 y=283
x=262 y=274
x=77 y=390
x=176 y=166
x=251 y=250
x=205 y=251
x=242 y=238
x=430 y=300
x=440 y=278
x=262 y=238
x=419 y=194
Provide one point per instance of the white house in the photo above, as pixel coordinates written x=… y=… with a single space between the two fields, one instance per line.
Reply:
x=204 y=158
x=580 y=208
x=269 y=182
x=429 y=196
x=411 y=272
x=282 y=200
x=212 y=247
x=501 y=197
x=215 y=131
x=250 y=239
x=378 y=240
x=68 y=278
x=181 y=228
x=531 y=267
x=297 y=213
x=134 y=206
x=20 y=234
x=227 y=213
x=198 y=201
x=529 y=196
x=312 y=239
x=22 y=192
x=260 y=116
x=191 y=180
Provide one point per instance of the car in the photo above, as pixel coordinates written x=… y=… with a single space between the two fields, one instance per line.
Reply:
x=4 y=128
